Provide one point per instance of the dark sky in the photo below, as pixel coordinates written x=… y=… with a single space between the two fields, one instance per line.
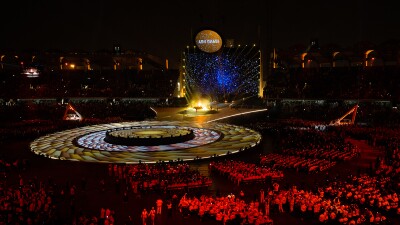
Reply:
x=164 y=29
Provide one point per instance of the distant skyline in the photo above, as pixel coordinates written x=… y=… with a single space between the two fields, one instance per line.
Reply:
x=165 y=28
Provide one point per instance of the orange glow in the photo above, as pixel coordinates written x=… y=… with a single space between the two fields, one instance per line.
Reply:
x=366 y=56
x=1 y=59
x=208 y=41
x=140 y=62
x=61 y=65
x=303 y=55
x=201 y=103
x=334 y=55
x=274 y=64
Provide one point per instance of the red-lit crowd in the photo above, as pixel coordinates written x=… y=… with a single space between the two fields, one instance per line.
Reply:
x=310 y=150
x=227 y=209
x=28 y=203
x=313 y=143
x=242 y=172
x=332 y=153
x=324 y=206
x=337 y=203
x=281 y=161
x=161 y=176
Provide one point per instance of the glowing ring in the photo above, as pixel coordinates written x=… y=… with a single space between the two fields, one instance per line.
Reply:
x=62 y=145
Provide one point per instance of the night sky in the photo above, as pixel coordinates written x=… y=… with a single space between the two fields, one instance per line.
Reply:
x=164 y=29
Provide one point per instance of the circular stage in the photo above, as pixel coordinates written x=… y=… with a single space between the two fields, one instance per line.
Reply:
x=89 y=144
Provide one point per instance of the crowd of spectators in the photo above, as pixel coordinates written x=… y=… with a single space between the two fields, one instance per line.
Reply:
x=54 y=110
x=228 y=209
x=35 y=128
x=31 y=119
x=297 y=83
x=160 y=177
x=361 y=199
x=29 y=203
x=332 y=205
x=309 y=149
x=30 y=200
x=281 y=161
x=311 y=112
x=242 y=172
x=352 y=83
x=70 y=83
x=387 y=139
x=374 y=192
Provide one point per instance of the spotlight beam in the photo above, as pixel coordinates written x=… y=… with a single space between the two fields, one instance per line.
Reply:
x=239 y=54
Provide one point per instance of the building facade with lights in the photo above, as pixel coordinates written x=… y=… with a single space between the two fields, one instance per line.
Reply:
x=85 y=74
x=128 y=60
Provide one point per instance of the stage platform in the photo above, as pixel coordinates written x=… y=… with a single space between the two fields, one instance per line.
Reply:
x=87 y=143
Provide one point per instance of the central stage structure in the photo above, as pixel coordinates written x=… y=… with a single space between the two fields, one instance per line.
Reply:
x=149 y=136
